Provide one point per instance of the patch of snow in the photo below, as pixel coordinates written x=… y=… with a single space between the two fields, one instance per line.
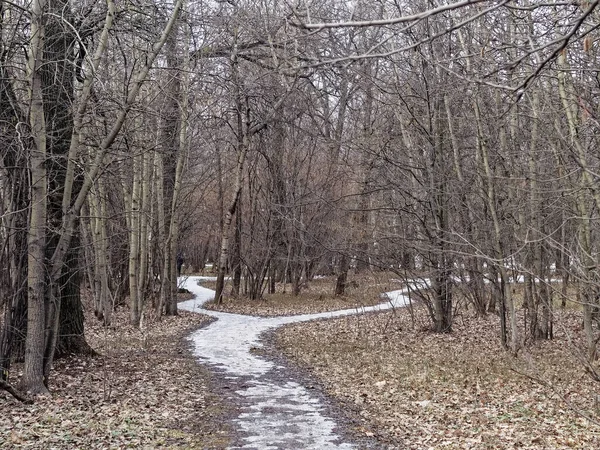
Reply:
x=294 y=419
x=276 y=415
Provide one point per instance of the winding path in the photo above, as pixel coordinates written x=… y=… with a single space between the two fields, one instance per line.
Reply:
x=276 y=413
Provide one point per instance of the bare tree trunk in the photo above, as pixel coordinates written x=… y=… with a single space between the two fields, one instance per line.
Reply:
x=106 y=301
x=14 y=197
x=145 y=213
x=438 y=201
x=133 y=206
x=340 y=283
x=490 y=198
x=184 y=86
x=33 y=371
x=224 y=253
x=90 y=234
x=588 y=187
x=161 y=219
x=242 y=113
x=71 y=312
x=473 y=265
x=236 y=260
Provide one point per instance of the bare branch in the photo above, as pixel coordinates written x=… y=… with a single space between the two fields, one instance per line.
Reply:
x=391 y=21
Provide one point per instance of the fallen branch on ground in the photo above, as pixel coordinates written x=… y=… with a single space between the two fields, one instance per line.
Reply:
x=15 y=393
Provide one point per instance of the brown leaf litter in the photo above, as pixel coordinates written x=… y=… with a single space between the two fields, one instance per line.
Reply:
x=316 y=297
x=414 y=389
x=145 y=391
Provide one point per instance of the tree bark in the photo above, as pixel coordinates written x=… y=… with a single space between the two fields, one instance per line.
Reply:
x=587 y=188
x=340 y=283
x=33 y=371
x=243 y=145
x=14 y=182
x=135 y=307
x=71 y=338
x=490 y=198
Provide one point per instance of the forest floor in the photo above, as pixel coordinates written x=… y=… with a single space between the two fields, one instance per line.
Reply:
x=145 y=391
x=316 y=297
x=410 y=388
x=395 y=380
x=414 y=389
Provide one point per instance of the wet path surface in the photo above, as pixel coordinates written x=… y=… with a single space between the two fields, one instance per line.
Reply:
x=276 y=413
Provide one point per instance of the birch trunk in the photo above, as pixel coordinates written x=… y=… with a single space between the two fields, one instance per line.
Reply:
x=145 y=213
x=226 y=235
x=242 y=150
x=135 y=310
x=160 y=207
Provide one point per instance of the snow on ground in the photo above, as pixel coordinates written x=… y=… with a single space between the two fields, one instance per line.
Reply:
x=276 y=414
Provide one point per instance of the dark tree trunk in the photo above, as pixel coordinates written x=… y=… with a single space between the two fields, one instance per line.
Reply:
x=296 y=278
x=14 y=283
x=503 y=331
x=14 y=329
x=340 y=285
x=271 y=278
x=58 y=77
x=13 y=276
x=494 y=289
x=71 y=338
x=443 y=302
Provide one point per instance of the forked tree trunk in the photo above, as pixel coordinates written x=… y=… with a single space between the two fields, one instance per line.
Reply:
x=242 y=113
x=244 y=131
x=473 y=265
x=224 y=253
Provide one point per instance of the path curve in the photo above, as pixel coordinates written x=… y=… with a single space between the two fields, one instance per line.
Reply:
x=276 y=413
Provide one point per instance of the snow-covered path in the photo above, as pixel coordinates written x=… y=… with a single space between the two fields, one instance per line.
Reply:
x=276 y=414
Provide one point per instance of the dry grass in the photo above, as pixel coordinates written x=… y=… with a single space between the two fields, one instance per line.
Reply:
x=415 y=389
